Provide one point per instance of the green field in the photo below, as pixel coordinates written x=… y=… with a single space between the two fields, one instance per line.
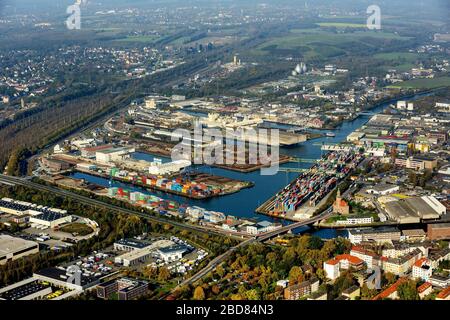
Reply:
x=401 y=61
x=341 y=25
x=80 y=228
x=141 y=39
x=424 y=83
x=319 y=43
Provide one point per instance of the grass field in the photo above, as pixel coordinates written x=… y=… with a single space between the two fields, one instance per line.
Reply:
x=80 y=228
x=401 y=61
x=424 y=83
x=319 y=43
x=141 y=39
x=341 y=25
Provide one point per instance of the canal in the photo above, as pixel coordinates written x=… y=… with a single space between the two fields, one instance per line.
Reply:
x=244 y=203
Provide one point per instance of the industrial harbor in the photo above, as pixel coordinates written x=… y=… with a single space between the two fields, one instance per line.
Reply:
x=300 y=199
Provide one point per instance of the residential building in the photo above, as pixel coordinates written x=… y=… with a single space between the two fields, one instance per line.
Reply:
x=391 y=292
x=297 y=291
x=344 y=261
x=352 y=292
x=424 y=290
x=444 y=294
x=422 y=269
x=382 y=234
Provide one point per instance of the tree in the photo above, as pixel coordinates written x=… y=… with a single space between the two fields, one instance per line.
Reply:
x=164 y=274
x=295 y=275
x=408 y=291
x=199 y=293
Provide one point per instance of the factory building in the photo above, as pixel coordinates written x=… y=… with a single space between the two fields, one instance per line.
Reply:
x=172 y=253
x=168 y=168
x=12 y=248
x=112 y=154
x=438 y=231
x=415 y=209
x=49 y=220
x=130 y=245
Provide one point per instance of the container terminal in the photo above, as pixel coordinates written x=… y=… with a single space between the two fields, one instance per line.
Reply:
x=301 y=197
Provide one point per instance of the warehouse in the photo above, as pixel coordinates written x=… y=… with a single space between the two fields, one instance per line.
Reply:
x=12 y=248
x=109 y=155
x=168 y=168
x=415 y=209
x=172 y=253
x=49 y=220
x=130 y=244
x=135 y=257
x=439 y=231
x=28 y=289
x=20 y=208
x=62 y=278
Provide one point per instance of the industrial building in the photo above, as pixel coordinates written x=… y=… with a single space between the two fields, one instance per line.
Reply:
x=61 y=277
x=168 y=168
x=166 y=250
x=12 y=248
x=19 y=208
x=438 y=231
x=415 y=209
x=130 y=244
x=49 y=220
x=172 y=253
x=28 y=289
x=39 y=216
x=109 y=155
